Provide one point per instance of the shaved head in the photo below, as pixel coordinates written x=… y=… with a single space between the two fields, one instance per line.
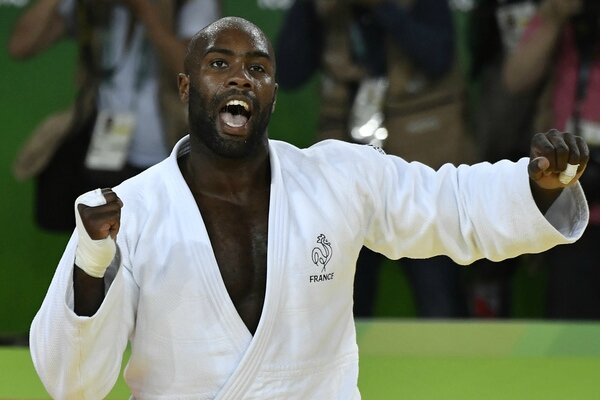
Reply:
x=201 y=40
x=229 y=85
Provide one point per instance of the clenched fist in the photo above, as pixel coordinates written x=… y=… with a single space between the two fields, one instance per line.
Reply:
x=98 y=218
x=558 y=159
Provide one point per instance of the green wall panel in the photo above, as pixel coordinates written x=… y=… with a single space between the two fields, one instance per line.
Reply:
x=29 y=90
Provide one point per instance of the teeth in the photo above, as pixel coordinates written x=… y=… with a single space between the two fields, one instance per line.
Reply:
x=239 y=103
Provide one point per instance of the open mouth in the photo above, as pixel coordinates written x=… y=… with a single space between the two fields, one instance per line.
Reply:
x=235 y=113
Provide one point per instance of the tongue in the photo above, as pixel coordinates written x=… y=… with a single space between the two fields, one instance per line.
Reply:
x=235 y=121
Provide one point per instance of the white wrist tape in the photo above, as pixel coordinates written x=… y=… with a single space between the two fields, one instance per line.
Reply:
x=568 y=174
x=92 y=256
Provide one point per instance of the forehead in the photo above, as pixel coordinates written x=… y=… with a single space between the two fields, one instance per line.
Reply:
x=236 y=38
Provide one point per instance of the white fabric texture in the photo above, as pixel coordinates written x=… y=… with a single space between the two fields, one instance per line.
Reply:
x=169 y=300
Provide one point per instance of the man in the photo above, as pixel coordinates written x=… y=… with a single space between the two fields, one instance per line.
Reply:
x=233 y=270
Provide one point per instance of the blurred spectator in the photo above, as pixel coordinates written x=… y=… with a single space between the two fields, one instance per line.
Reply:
x=388 y=78
x=502 y=124
x=560 y=49
x=127 y=114
x=502 y=120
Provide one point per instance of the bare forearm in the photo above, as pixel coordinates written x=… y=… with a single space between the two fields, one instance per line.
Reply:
x=527 y=65
x=88 y=293
x=544 y=197
x=171 y=49
x=36 y=29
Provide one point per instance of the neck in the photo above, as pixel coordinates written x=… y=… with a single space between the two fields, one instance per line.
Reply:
x=210 y=174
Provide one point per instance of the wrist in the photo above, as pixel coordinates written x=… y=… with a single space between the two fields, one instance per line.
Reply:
x=93 y=256
x=544 y=197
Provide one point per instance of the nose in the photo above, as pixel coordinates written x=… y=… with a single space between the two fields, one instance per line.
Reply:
x=240 y=78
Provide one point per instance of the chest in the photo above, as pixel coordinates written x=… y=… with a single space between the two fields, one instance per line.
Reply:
x=238 y=235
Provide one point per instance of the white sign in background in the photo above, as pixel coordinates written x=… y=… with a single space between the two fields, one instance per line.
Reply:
x=267 y=4
x=14 y=3
x=275 y=4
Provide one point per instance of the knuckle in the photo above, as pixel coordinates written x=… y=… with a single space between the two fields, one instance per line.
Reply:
x=547 y=147
x=562 y=149
x=538 y=136
x=575 y=153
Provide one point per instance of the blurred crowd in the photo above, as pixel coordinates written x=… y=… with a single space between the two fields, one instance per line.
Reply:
x=433 y=81
x=464 y=82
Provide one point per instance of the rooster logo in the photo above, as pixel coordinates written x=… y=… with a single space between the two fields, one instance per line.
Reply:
x=322 y=253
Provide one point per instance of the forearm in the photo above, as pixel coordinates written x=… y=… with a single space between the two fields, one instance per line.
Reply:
x=510 y=221
x=298 y=47
x=36 y=29
x=544 y=198
x=88 y=293
x=79 y=356
x=471 y=212
x=170 y=48
x=529 y=63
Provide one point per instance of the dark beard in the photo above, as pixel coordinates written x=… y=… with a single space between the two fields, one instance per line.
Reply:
x=203 y=126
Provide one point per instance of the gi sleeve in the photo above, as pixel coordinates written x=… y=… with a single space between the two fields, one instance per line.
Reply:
x=466 y=212
x=80 y=357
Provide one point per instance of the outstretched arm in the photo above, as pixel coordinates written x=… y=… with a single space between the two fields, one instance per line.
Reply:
x=171 y=49
x=37 y=29
x=557 y=160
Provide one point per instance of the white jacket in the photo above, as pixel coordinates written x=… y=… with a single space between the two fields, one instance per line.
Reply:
x=167 y=297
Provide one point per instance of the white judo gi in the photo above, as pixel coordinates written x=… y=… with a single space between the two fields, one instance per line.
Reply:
x=166 y=295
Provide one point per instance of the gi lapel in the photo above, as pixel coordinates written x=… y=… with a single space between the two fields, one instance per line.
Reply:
x=244 y=375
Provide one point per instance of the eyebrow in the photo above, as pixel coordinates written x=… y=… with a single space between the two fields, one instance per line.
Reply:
x=254 y=53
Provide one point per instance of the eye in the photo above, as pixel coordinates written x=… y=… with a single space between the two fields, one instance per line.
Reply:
x=257 y=68
x=218 y=64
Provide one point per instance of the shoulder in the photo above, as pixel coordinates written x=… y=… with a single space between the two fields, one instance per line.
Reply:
x=158 y=177
x=330 y=149
x=332 y=155
x=144 y=190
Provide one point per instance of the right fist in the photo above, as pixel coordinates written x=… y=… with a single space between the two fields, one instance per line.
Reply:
x=97 y=218
x=100 y=212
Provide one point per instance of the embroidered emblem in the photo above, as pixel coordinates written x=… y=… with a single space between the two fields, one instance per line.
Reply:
x=321 y=255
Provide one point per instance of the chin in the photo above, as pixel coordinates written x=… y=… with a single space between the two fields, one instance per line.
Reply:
x=232 y=147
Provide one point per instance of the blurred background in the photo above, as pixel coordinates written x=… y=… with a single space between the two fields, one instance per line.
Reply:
x=496 y=121
x=32 y=89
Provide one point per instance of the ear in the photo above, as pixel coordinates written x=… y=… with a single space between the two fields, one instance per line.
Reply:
x=183 y=82
x=274 y=98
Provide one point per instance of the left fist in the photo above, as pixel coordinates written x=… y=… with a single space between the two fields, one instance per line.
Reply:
x=557 y=159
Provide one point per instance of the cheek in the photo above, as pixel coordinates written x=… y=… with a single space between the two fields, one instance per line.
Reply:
x=267 y=91
x=206 y=83
x=202 y=94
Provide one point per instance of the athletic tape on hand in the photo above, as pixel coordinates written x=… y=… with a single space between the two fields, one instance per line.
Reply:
x=92 y=256
x=568 y=174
